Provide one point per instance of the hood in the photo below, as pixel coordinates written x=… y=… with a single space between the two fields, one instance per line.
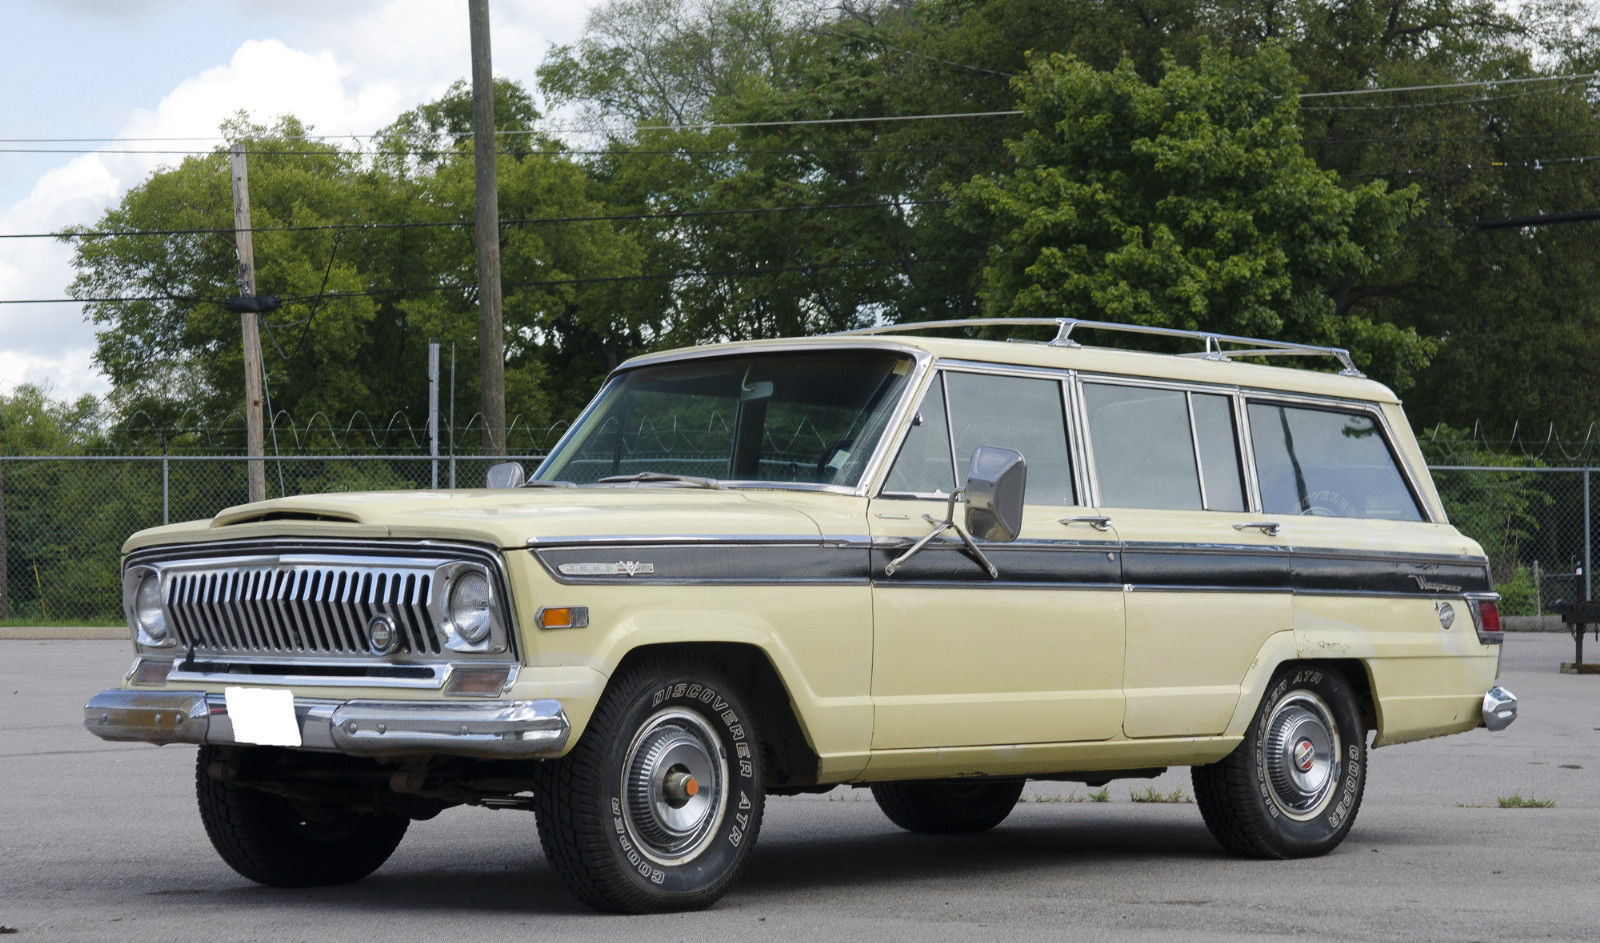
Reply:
x=505 y=518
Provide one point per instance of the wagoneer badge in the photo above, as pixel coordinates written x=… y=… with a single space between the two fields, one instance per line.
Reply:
x=1428 y=586
x=620 y=568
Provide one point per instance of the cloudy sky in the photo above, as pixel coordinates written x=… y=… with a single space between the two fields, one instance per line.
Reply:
x=116 y=73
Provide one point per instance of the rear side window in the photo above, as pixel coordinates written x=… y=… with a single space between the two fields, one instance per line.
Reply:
x=1327 y=462
x=1161 y=448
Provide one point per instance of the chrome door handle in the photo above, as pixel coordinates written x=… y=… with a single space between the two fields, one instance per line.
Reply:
x=1101 y=524
x=1270 y=528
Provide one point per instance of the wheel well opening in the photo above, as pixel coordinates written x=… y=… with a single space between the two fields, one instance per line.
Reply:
x=788 y=758
x=1354 y=673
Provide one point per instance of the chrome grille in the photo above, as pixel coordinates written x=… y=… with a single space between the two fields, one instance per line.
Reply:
x=288 y=606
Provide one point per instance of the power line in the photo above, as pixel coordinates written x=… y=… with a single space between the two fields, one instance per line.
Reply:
x=1444 y=103
x=1539 y=219
x=572 y=129
x=1480 y=83
x=459 y=224
x=542 y=152
x=541 y=283
x=804 y=122
x=1536 y=164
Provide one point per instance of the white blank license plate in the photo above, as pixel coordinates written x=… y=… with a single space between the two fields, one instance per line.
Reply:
x=262 y=716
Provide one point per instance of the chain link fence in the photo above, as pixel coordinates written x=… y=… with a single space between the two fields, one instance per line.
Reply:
x=63 y=518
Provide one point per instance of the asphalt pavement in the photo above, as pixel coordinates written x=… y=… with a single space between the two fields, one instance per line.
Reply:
x=101 y=841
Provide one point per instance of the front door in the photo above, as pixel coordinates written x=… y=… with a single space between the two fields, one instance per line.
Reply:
x=964 y=659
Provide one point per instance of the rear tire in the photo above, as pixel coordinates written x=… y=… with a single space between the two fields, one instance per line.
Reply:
x=658 y=806
x=285 y=843
x=1292 y=787
x=948 y=807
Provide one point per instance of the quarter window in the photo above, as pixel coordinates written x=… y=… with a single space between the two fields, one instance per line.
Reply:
x=923 y=465
x=1327 y=462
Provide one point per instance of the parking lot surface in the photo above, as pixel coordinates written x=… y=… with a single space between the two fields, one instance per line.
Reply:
x=101 y=841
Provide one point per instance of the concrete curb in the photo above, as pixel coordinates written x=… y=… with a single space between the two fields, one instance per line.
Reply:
x=62 y=632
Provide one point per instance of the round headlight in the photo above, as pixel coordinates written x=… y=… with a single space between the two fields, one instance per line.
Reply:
x=469 y=607
x=147 y=609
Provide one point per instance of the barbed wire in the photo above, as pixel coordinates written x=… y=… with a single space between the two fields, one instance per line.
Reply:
x=1537 y=446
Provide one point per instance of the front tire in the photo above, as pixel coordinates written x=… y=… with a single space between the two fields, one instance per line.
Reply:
x=1292 y=787
x=284 y=843
x=658 y=806
x=948 y=807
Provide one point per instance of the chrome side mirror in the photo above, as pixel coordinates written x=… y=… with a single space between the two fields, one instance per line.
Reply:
x=996 y=480
x=505 y=475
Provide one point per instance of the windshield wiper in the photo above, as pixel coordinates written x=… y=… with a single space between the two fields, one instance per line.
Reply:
x=667 y=477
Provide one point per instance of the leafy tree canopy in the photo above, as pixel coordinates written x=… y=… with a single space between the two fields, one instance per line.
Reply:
x=1185 y=203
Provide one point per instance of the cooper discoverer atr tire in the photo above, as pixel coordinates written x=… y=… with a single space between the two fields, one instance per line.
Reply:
x=283 y=843
x=948 y=807
x=658 y=806
x=1292 y=787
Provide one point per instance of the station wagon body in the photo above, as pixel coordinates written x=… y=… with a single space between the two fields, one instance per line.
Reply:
x=936 y=567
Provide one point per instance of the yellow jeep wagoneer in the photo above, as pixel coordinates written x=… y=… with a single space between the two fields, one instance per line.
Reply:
x=932 y=566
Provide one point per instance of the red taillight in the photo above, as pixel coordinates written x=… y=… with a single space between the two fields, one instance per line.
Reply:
x=1489 y=616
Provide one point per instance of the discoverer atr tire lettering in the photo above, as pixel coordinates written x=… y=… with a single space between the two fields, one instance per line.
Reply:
x=658 y=806
x=1292 y=787
x=282 y=843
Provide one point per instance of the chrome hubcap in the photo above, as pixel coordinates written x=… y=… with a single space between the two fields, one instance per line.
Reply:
x=1303 y=751
x=674 y=778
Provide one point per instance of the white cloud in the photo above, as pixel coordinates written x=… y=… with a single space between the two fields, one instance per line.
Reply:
x=341 y=68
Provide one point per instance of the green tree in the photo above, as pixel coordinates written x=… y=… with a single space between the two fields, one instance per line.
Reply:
x=373 y=256
x=1186 y=203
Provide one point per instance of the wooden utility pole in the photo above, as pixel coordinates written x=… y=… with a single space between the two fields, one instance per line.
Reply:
x=255 y=439
x=491 y=342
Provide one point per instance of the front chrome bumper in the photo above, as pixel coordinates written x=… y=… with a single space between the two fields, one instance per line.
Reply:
x=499 y=729
x=1499 y=708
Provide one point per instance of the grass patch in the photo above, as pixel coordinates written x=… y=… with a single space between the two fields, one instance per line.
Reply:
x=1517 y=801
x=1149 y=794
x=1102 y=794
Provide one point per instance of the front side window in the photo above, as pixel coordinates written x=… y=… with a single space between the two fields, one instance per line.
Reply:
x=1327 y=462
x=812 y=418
x=976 y=409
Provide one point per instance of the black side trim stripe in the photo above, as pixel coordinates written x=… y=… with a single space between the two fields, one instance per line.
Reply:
x=1066 y=565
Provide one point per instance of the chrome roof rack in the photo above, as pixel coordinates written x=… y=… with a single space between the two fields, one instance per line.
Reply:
x=1213 y=342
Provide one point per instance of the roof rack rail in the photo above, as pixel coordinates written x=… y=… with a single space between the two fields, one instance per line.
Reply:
x=1213 y=342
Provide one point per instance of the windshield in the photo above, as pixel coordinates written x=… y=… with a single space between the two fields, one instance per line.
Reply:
x=809 y=418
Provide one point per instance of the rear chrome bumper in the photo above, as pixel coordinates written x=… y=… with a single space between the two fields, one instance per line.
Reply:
x=498 y=729
x=1499 y=708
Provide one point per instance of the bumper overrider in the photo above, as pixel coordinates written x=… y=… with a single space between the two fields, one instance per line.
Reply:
x=499 y=729
x=1499 y=708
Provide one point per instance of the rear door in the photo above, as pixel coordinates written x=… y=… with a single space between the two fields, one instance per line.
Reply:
x=1206 y=581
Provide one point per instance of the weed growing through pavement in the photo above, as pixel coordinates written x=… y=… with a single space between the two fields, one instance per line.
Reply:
x=1149 y=794
x=1516 y=801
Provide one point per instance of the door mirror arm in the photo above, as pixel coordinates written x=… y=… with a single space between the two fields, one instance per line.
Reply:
x=996 y=479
